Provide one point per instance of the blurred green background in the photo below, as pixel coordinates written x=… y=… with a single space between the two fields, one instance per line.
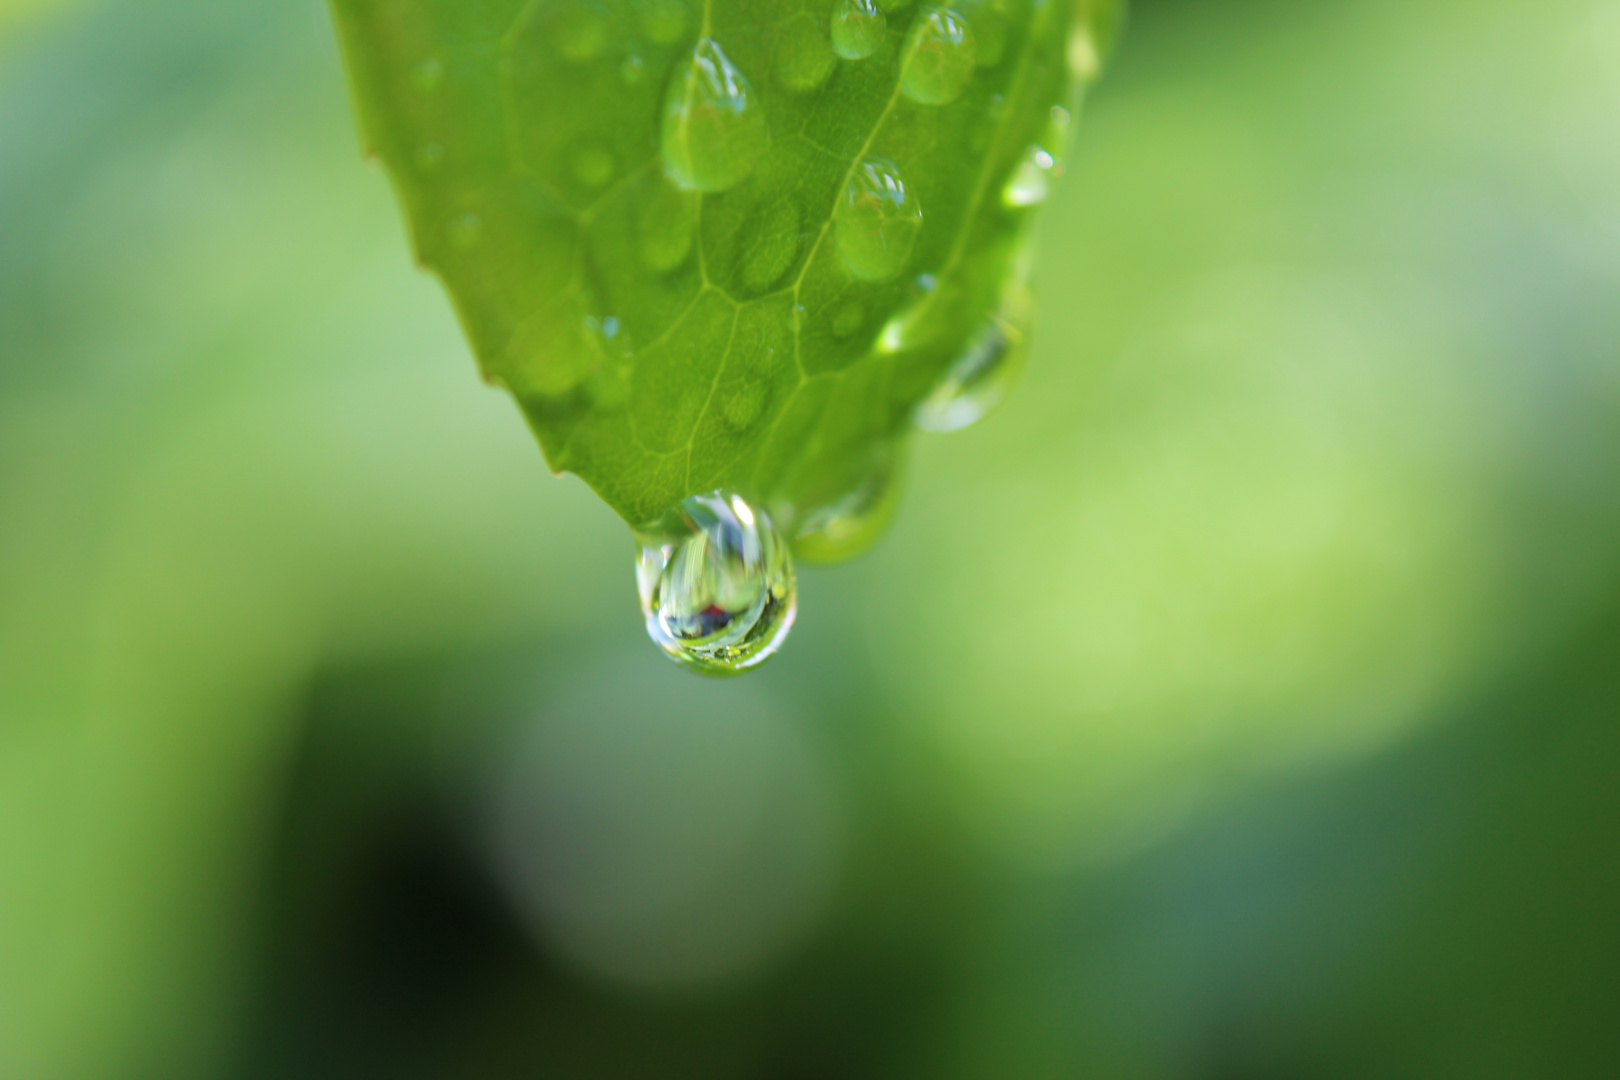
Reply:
x=1238 y=703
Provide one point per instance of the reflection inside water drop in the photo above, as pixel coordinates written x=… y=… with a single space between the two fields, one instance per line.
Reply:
x=716 y=584
x=857 y=28
x=713 y=129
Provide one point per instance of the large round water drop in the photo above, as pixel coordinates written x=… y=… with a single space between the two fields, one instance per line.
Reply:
x=716 y=584
x=876 y=220
x=857 y=28
x=987 y=369
x=937 y=59
x=713 y=128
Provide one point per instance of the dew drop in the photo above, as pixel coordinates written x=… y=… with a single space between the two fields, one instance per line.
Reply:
x=857 y=28
x=986 y=370
x=713 y=130
x=852 y=523
x=804 y=58
x=716 y=583
x=1031 y=179
x=937 y=59
x=876 y=221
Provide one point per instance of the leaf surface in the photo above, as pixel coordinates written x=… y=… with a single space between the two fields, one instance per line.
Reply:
x=699 y=246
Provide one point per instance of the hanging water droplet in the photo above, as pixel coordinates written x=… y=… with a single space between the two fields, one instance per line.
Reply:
x=937 y=59
x=981 y=377
x=857 y=28
x=1031 y=179
x=713 y=129
x=876 y=221
x=716 y=584
x=850 y=524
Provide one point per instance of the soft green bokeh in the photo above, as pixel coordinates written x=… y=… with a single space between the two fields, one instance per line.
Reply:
x=1237 y=701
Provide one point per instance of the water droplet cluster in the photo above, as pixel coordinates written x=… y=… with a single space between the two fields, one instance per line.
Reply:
x=734 y=246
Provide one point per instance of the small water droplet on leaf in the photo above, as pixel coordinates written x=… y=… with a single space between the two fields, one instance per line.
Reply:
x=713 y=130
x=857 y=28
x=876 y=221
x=937 y=59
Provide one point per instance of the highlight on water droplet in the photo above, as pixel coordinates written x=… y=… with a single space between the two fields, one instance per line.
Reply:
x=713 y=128
x=716 y=584
x=876 y=220
x=850 y=524
x=1031 y=179
x=937 y=59
x=857 y=28
x=981 y=377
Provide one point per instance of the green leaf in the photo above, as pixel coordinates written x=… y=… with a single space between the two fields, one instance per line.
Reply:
x=700 y=247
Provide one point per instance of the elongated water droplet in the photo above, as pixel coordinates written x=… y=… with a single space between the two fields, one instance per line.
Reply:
x=1031 y=179
x=716 y=584
x=857 y=28
x=937 y=59
x=876 y=220
x=850 y=524
x=981 y=377
x=713 y=130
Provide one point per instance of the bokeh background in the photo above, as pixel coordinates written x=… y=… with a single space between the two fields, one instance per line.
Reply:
x=1240 y=702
